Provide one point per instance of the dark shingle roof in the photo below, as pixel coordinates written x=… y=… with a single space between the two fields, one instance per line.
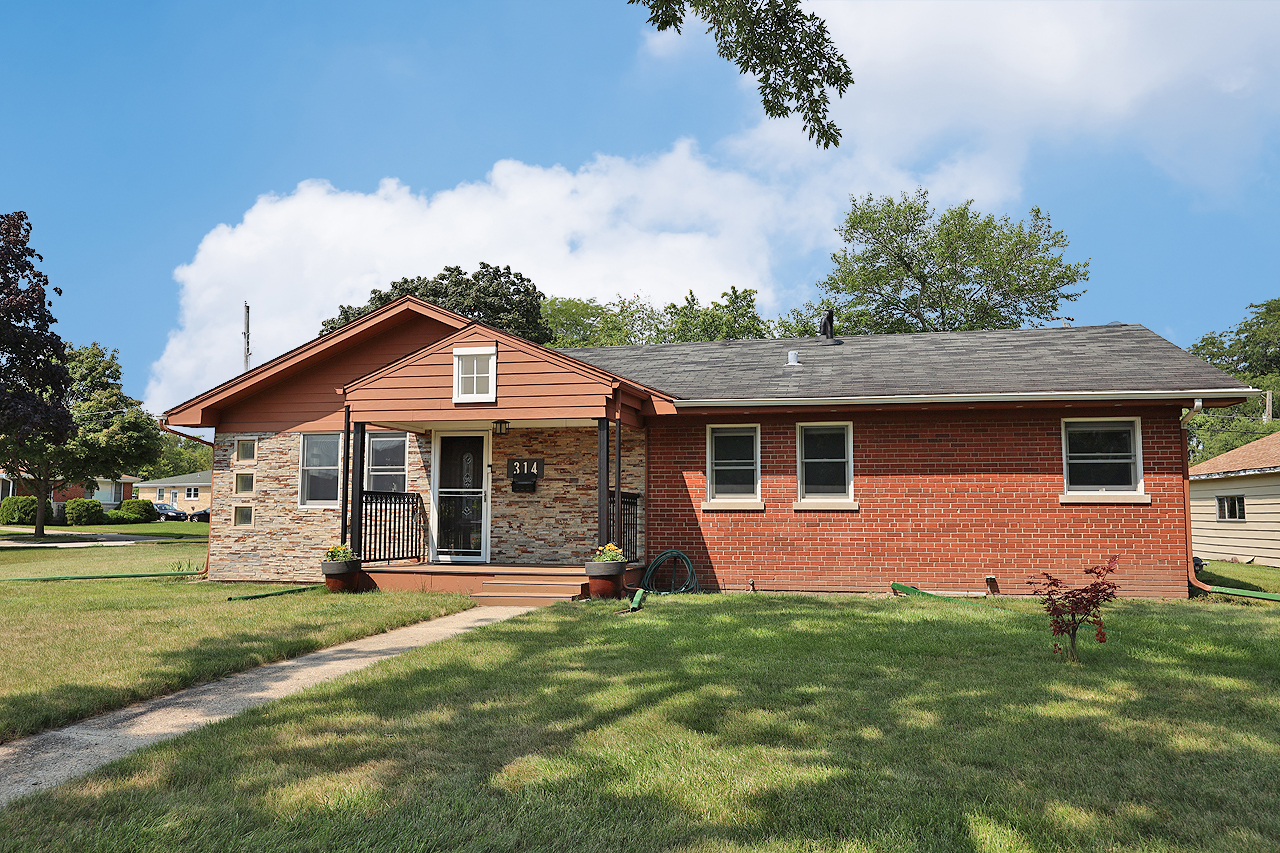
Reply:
x=1080 y=359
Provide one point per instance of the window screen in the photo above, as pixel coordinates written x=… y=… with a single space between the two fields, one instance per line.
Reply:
x=1102 y=456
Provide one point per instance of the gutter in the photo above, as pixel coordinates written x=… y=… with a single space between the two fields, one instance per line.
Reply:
x=1019 y=397
x=1192 y=412
x=1242 y=472
x=165 y=426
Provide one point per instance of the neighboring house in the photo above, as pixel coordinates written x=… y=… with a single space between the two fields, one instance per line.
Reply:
x=188 y=492
x=931 y=459
x=107 y=492
x=1235 y=504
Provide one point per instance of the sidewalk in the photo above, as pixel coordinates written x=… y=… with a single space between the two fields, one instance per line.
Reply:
x=51 y=758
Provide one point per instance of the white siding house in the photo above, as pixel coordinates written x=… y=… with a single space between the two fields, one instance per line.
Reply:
x=1235 y=504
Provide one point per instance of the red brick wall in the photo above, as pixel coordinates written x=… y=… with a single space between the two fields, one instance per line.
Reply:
x=945 y=498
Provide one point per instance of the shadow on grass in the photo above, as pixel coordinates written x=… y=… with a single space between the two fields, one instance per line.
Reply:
x=1216 y=579
x=733 y=723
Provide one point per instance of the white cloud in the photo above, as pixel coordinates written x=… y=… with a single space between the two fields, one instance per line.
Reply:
x=657 y=226
x=949 y=95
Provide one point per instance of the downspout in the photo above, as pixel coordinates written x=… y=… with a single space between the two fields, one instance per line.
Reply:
x=602 y=481
x=346 y=465
x=617 y=476
x=1187 y=495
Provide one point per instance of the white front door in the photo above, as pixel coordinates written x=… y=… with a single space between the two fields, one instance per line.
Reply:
x=460 y=497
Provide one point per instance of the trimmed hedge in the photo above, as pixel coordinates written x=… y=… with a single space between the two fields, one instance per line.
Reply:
x=119 y=516
x=82 y=511
x=21 y=509
x=141 y=510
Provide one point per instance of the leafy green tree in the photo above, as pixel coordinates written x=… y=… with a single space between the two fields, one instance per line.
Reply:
x=111 y=434
x=734 y=319
x=495 y=296
x=787 y=49
x=1249 y=351
x=178 y=455
x=33 y=378
x=634 y=320
x=591 y=323
x=907 y=268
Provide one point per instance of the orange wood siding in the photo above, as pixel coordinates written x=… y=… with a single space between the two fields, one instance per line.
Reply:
x=309 y=401
x=529 y=385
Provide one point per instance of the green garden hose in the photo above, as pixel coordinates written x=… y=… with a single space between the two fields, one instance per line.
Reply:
x=690 y=583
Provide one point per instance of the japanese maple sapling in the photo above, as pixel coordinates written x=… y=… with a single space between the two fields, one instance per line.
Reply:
x=1069 y=608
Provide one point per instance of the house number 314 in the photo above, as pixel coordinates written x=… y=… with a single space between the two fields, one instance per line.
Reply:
x=524 y=468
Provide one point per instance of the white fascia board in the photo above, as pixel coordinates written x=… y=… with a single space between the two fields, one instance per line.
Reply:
x=1021 y=397
x=1243 y=472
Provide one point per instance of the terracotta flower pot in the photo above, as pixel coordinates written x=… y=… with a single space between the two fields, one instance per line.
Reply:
x=604 y=580
x=342 y=575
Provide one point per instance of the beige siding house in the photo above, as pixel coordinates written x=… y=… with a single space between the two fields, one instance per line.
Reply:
x=1235 y=504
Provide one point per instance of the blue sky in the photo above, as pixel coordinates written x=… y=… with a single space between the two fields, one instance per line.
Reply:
x=177 y=160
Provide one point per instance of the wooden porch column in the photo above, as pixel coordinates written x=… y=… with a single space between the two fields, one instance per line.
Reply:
x=346 y=466
x=602 y=487
x=357 y=492
x=617 y=481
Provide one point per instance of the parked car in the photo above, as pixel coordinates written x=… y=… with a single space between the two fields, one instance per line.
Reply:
x=199 y=515
x=169 y=512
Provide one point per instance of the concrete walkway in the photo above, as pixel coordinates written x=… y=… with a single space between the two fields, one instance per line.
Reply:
x=51 y=758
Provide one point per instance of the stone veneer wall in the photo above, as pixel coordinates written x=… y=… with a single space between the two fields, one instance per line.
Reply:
x=557 y=524
x=286 y=541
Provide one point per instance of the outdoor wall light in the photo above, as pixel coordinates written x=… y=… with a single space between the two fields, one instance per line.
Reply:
x=501 y=427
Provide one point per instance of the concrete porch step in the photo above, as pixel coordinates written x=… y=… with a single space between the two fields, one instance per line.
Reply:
x=516 y=599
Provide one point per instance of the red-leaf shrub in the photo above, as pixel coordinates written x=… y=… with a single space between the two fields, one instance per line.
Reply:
x=1069 y=608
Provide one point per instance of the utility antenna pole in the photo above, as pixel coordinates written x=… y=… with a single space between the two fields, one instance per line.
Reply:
x=1266 y=416
x=246 y=337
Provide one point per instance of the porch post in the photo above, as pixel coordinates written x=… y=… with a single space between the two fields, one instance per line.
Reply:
x=617 y=481
x=346 y=466
x=357 y=492
x=602 y=477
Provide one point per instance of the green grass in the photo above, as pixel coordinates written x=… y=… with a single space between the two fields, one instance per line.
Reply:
x=71 y=649
x=170 y=529
x=1241 y=576
x=734 y=723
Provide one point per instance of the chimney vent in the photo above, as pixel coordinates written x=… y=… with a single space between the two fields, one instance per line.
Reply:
x=793 y=357
x=827 y=330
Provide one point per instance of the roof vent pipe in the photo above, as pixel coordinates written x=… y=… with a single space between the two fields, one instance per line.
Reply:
x=793 y=357
x=827 y=330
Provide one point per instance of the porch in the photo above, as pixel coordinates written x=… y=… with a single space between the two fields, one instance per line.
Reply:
x=491 y=583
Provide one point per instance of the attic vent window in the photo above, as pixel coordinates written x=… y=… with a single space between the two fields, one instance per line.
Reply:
x=475 y=374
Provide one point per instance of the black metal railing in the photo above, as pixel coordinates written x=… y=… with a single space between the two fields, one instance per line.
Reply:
x=630 y=534
x=394 y=527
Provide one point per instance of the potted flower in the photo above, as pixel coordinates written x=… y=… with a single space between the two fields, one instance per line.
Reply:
x=341 y=569
x=604 y=571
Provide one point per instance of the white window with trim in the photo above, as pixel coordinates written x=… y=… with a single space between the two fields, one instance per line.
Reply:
x=1102 y=458
x=733 y=463
x=824 y=465
x=386 y=462
x=160 y=493
x=318 y=478
x=1230 y=507
x=475 y=374
x=193 y=493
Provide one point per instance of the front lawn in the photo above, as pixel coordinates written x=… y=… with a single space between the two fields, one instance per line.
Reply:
x=1241 y=576
x=734 y=723
x=71 y=649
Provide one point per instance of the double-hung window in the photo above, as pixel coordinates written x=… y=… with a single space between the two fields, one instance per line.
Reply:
x=475 y=376
x=321 y=453
x=1102 y=460
x=733 y=464
x=193 y=493
x=1231 y=508
x=387 y=471
x=824 y=465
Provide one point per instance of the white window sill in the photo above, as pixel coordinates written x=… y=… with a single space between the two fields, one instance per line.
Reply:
x=1104 y=498
x=820 y=504
x=732 y=506
x=317 y=506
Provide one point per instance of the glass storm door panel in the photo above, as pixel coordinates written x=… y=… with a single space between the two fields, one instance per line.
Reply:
x=460 y=498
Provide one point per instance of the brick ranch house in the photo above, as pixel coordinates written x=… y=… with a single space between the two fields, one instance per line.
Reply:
x=486 y=461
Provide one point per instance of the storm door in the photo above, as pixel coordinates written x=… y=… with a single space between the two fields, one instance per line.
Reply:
x=462 y=499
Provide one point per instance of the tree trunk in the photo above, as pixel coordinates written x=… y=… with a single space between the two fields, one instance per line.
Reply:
x=1071 y=645
x=41 y=490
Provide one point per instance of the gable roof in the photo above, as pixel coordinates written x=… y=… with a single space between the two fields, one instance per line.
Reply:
x=366 y=328
x=1085 y=362
x=1257 y=457
x=199 y=478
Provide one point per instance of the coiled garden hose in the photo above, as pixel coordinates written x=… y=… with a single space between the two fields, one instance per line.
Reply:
x=690 y=583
